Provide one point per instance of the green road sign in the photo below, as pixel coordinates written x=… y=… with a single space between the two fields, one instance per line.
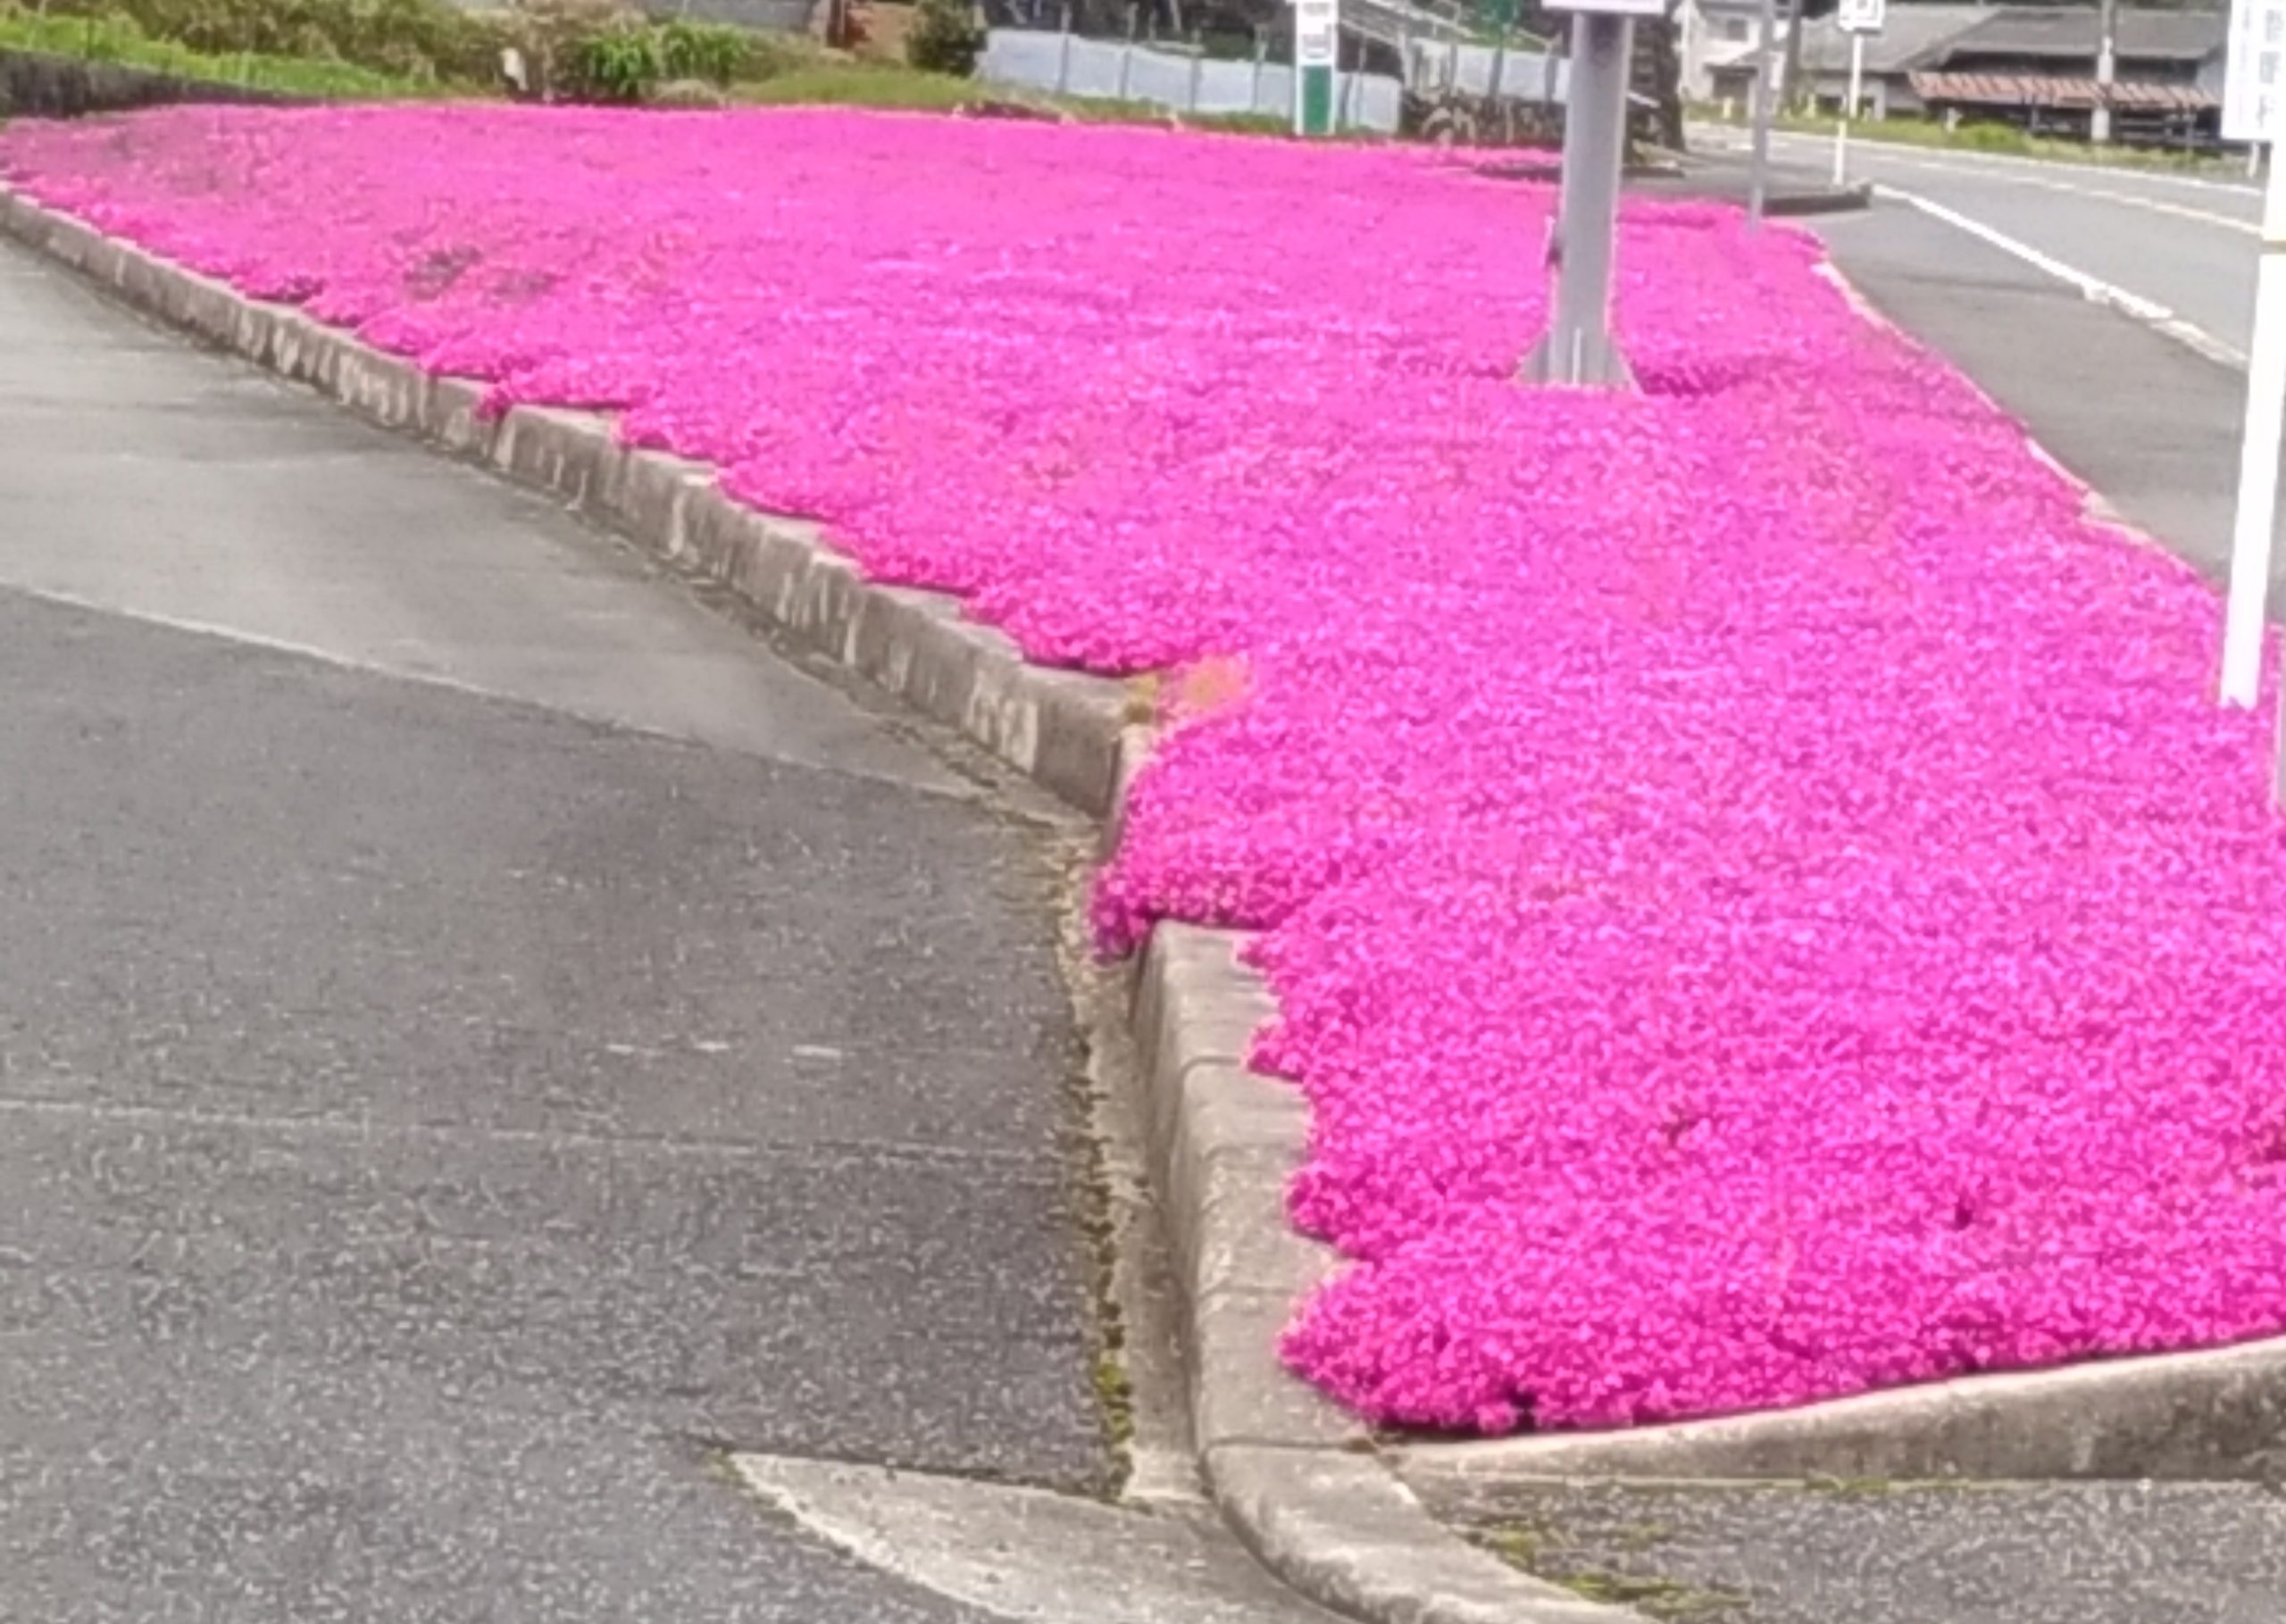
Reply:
x=1317 y=55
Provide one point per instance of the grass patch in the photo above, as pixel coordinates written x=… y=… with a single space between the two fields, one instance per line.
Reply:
x=1542 y=1552
x=116 y=39
x=1654 y=1598
x=888 y=87
x=859 y=84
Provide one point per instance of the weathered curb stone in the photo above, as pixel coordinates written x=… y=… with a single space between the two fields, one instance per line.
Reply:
x=2215 y=1415
x=1290 y=1471
x=1296 y=1476
x=1061 y=728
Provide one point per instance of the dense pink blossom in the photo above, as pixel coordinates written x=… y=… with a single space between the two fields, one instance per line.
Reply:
x=1761 y=902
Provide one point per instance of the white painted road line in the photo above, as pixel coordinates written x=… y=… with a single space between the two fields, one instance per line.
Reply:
x=2093 y=288
x=1871 y=146
x=2156 y=205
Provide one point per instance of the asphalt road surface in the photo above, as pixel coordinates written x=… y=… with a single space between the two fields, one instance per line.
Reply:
x=1913 y=1553
x=480 y=1041
x=2184 y=242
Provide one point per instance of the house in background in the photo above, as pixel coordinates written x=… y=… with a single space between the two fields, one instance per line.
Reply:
x=2030 y=66
x=1715 y=41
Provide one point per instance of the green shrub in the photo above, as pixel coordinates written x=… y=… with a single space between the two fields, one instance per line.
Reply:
x=709 y=51
x=620 y=62
x=422 y=39
x=945 y=38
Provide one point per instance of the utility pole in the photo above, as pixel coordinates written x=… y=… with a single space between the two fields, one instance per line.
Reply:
x=1790 y=81
x=2107 y=69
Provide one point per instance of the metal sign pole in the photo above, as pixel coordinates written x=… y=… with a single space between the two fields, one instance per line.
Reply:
x=1317 y=35
x=1758 y=182
x=1578 y=347
x=2107 y=70
x=1848 y=110
x=2250 y=536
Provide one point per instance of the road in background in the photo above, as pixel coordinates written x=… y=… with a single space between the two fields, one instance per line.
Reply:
x=2148 y=420
x=2183 y=242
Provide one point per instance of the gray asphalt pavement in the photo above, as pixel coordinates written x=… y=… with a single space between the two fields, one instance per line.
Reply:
x=464 y=1073
x=2182 y=241
x=1878 y=1554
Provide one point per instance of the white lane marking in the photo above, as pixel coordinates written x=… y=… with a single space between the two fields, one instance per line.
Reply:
x=2092 y=288
x=1873 y=145
x=2156 y=205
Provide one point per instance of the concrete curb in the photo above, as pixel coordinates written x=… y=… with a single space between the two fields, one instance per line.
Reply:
x=2196 y=1417
x=1061 y=728
x=1292 y=1475
x=1296 y=1476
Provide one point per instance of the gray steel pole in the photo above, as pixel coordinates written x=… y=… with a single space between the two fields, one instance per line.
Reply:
x=1758 y=181
x=1578 y=347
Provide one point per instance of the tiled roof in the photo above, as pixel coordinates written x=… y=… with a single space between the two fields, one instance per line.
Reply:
x=1925 y=36
x=2053 y=90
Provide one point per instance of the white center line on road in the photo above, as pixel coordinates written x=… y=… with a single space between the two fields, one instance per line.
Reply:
x=2093 y=288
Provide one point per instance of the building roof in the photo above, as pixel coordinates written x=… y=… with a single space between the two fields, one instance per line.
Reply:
x=1925 y=36
x=1910 y=34
x=2055 y=90
x=2073 y=31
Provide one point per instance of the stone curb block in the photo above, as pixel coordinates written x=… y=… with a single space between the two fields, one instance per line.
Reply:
x=1339 y=1528
x=2198 y=1416
x=1287 y=1469
x=1297 y=1476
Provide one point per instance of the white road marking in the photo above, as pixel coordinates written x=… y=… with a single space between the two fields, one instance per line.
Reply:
x=1871 y=147
x=2093 y=288
x=2156 y=205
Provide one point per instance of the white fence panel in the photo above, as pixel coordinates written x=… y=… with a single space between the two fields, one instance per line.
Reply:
x=1038 y=59
x=1525 y=76
x=1160 y=78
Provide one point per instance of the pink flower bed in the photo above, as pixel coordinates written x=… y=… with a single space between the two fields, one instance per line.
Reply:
x=1762 y=904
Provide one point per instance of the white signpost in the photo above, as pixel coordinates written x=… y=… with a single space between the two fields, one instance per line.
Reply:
x=1317 y=55
x=1857 y=18
x=2254 y=97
